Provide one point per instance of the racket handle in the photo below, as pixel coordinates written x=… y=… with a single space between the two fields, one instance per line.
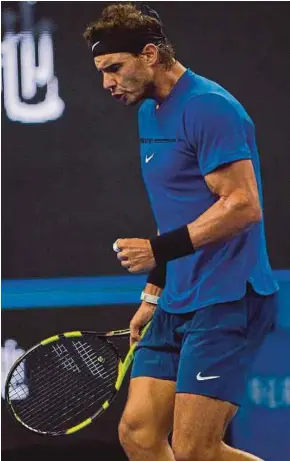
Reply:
x=145 y=329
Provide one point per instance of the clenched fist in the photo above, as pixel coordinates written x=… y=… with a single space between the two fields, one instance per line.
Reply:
x=135 y=254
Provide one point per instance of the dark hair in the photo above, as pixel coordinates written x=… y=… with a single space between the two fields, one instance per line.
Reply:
x=122 y=17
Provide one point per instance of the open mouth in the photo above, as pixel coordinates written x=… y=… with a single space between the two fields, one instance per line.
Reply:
x=118 y=96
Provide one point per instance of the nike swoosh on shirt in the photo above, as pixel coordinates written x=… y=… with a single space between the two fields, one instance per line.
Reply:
x=147 y=159
x=204 y=378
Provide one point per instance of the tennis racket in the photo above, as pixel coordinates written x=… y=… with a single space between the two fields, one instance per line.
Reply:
x=60 y=385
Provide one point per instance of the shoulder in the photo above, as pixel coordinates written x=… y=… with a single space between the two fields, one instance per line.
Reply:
x=215 y=105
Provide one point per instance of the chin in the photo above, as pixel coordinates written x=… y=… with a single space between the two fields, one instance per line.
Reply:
x=134 y=100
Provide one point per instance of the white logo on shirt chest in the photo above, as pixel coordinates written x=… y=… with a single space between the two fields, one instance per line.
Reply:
x=147 y=159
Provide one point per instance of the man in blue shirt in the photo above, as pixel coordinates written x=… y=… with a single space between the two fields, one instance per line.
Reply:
x=210 y=291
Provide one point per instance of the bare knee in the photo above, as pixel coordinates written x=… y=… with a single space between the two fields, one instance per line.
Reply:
x=137 y=434
x=193 y=448
x=132 y=434
x=147 y=421
x=197 y=452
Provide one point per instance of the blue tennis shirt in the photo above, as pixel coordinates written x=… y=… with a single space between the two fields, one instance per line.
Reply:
x=199 y=127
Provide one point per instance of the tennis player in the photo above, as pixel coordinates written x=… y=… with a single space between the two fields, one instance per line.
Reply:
x=210 y=291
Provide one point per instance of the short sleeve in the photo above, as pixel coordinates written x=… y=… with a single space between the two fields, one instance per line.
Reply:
x=216 y=129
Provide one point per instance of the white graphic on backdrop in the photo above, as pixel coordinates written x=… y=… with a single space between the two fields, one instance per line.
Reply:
x=9 y=354
x=22 y=76
x=270 y=391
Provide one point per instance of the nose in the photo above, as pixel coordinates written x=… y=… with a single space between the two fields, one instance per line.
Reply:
x=108 y=82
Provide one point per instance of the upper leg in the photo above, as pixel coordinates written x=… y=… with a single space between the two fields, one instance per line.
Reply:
x=199 y=426
x=213 y=367
x=148 y=415
x=150 y=404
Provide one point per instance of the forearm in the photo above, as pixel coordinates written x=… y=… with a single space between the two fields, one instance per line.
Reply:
x=222 y=221
x=152 y=289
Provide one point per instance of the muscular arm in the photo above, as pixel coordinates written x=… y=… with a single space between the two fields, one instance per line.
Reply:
x=237 y=208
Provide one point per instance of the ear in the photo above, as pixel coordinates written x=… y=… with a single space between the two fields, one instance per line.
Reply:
x=150 y=54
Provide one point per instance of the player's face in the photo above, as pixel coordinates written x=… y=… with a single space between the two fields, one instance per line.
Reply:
x=126 y=76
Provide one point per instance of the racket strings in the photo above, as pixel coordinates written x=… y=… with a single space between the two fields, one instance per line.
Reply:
x=16 y=393
x=65 y=360
x=64 y=383
x=42 y=405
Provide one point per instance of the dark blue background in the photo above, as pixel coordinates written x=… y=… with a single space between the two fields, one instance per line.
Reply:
x=72 y=186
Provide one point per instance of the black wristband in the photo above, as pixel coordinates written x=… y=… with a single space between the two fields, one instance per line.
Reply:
x=172 y=245
x=157 y=276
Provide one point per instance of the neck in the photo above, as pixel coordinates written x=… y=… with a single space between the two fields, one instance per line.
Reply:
x=165 y=80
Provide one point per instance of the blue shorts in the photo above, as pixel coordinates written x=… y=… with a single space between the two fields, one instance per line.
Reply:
x=208 y=351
